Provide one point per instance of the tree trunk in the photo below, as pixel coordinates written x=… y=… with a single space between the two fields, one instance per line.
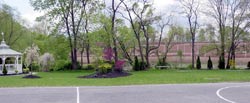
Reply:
x=88 y=53
x=193 y=55
x=81 y=58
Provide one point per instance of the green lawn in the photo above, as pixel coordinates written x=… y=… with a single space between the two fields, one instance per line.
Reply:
x=69 y=78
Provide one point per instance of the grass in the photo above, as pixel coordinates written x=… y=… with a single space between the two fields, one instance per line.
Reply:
x=69 y=78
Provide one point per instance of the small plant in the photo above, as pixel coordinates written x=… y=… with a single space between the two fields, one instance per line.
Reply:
x=248 y=65
x=104 y=68
x=189 y=66
x=198 y=63
x=5 y=71
x=209 y=63
x=16 y=71
x=136 y=66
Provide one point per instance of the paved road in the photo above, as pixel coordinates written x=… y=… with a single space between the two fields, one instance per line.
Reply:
x=170 y=93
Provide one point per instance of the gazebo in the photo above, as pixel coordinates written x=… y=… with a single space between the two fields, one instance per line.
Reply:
x=10 y=58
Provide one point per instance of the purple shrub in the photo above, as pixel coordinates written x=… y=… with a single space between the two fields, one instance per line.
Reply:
x=119 y=64
x=108 y=54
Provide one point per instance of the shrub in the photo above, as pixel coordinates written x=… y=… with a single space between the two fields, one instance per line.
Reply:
x=90 y=67
x=248 y=65
x=5 y=71
x=136 y=66
x=118 y=65
x=209 y=63
x=26 y=70
x=142 y=65
x=104 y=68
x=189 y=66
x=16 y=71
x=221 y=63
x=61 y=65
x=198 y=63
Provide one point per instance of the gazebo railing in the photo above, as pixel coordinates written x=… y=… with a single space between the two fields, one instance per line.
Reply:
x=9 y=67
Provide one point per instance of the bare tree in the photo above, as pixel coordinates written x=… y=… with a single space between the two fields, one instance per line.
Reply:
x=219 y=11
x=141 y=18
x=239 y=10
x=191 y=9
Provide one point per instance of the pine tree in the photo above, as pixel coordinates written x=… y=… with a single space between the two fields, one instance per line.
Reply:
x=248 y=65
x=198 y=63
x=221 y=63
x=136 y=66
x=209 y=63
x=5 y=71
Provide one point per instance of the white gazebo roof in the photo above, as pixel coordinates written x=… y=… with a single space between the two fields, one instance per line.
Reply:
x=6 y=51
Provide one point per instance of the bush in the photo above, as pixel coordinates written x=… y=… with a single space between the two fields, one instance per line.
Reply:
x=198 y=63
x=142 y=65
x=16 y=71
x=5 y=71
x=221 y=63
x=209 y=63
x=189 y=66
x=26 y=70
x=136 y=66
x=61 y=65
x=118 y=66
x=89 y=67
x=104 y=68
x=248 y=65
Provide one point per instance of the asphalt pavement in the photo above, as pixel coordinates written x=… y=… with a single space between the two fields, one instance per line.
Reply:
x=168 y=93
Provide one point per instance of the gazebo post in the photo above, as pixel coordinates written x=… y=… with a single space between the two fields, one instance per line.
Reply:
x=3 y=62
x=16 y=62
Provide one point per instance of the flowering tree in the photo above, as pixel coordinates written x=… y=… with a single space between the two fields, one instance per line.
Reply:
x=32 y=55
x=46 y=60
x=108 y=54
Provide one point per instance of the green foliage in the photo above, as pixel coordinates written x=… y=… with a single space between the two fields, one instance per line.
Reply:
x=139 y=65
x=136 y=66
x=5 y=71
x=143 y=65
x=209 y=63
x=26 y=70
x=221 y=63
x=62 y=65
x=89 y=67
x=189 y=66
x=16 y=71
x=198 y=63
x=104 y=68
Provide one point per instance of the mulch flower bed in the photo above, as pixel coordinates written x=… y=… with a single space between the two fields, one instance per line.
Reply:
x=107 y=75
x=31 y=77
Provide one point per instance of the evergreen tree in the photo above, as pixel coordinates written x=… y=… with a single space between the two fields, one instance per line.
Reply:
x=198 y=63
x=5 y=71
x=209 y=63
x=248 y=65
x=221 y=63
x=136 y=66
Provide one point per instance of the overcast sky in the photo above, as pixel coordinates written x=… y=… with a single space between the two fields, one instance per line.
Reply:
x=27 y=12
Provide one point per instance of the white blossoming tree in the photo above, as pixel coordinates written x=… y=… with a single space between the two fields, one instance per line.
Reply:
x=31 y=56
x=46 y=61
